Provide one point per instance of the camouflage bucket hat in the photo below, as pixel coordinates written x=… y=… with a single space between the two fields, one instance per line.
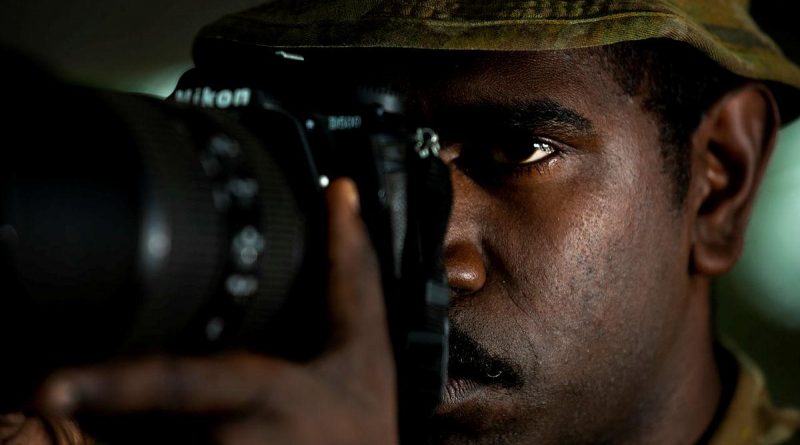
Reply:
x=722 y=29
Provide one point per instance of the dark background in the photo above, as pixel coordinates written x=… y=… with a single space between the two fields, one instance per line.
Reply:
x=130 y=45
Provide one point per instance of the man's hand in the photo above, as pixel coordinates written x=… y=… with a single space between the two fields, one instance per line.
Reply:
x=19 y=429
x=345 y=396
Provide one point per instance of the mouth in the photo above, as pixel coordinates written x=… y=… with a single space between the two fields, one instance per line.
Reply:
x=457 y=392
x=473 y=372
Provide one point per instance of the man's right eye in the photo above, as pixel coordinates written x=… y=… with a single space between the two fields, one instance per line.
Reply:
x=521 y=153
x=507 y=155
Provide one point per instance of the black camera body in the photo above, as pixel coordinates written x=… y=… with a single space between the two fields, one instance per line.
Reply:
x=197 y=224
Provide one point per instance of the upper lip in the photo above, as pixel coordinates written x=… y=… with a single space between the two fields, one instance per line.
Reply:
x=461 y=369
x=482 y=372
x=469 y=360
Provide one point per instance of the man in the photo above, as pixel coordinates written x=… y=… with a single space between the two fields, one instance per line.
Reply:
x=599 y=186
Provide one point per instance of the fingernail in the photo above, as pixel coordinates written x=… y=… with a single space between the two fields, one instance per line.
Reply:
x=61 y=396
x=351 y=195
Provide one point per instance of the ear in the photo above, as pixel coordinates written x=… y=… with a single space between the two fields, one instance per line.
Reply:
x=730 y=148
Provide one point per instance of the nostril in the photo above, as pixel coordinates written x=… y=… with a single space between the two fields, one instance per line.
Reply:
x=466 y=272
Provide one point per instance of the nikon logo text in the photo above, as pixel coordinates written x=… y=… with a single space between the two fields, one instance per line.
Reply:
x=208 y=98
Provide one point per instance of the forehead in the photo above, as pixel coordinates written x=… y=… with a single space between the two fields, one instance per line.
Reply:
x=511 y=76
x=501 y=74
x=581 y=80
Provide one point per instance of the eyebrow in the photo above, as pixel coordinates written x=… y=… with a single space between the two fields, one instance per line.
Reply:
x=540 y=114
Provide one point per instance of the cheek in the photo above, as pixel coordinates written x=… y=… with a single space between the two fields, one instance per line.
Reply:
x=590 y=268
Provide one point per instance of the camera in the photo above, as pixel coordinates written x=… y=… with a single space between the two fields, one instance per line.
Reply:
x=131 y=225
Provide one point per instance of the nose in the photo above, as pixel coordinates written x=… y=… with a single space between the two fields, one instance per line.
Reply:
x=464 y=258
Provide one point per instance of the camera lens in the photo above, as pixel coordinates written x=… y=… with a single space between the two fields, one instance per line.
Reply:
x=143 y=225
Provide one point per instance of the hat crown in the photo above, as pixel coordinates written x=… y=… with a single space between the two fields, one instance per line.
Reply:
x=722 y=29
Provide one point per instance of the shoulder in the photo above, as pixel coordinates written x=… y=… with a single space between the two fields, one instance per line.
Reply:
x=751 y=417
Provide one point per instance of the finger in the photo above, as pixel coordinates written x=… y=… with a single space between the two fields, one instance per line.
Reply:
x=32 y=430
x=10 y=425
x=233 y=383
x=354 y=284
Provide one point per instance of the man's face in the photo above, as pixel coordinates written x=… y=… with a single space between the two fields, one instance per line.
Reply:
x=566 y=254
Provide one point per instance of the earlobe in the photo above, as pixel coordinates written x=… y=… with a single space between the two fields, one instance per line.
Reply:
x=731 y=148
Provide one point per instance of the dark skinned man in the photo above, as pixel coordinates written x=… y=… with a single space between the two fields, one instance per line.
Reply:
x=580 y=251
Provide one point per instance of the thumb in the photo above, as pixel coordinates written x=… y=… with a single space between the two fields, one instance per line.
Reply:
x=354 y=283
